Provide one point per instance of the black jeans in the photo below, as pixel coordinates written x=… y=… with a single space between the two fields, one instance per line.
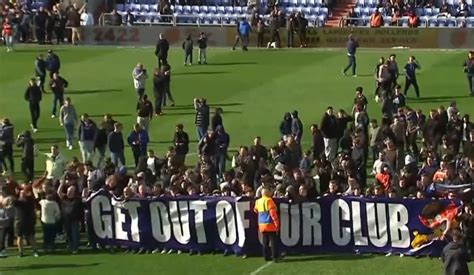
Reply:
x=351 y=63
x=269 y=240
x=28 y=168
x=158 y=103
x=8 y=154
x=163 y=60
x=409 y=82
x=35 y=113
x=290 y=38
x=470 y=79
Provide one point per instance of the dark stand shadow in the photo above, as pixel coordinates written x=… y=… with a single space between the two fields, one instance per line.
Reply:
x=96 y=91
x=44 y=266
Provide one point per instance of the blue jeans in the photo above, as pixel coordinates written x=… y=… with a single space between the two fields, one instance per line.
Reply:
x=351 y=63
x=201 y=132
x=118 y=159
x=101 y=151
x=69 y=128
x=49 y=235
x=221 y=158
x=56 y=99
x=73 y=234
x=188 y=56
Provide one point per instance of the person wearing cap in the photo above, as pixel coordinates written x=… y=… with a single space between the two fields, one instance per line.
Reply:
x=161 y=50
x=352 y=46
x=469 y=71
x=33 y=95
x=139 y=76
x=53 y=63
x=138 y=140
x=202 y=46
x=268 y=224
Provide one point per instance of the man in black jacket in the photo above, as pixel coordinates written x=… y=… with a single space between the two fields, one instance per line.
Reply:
x=161 y=50
x=53 y=63
x=27 y=144
x=217 y=119
x=57 y=85
x=144 y=112
x=159 y=85
x=181 y=143
x=329 y=130
x=7 y=136
x=296 y=127
x=40 y=70
x=33 y=96
x=317 y=144
x=41 y=18
x=202 y=117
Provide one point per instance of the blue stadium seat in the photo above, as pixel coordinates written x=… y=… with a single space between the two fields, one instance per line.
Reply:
x=322 y=20
x=319 y=3
x=293 y=3
x=238 y=10
x=451 y=22
x=419 y=11
x=435 y=11
x=204 y=9
x=154 y=8
x=324 y=11
x=365 y=11
x=229 y=10
x=145 y=8
x=311 y=3
x=428 y=11
x=178 y=9
x=223 y=2
x=289 y=10
x=387 y=20
x=404 y=21
x=371 y=3
x=194 y=9
x=212 y=9
x=220 y=10
x=308 y=11
x=312 y=20
x=128 y=7
x=302 y=3
x=357 y=10
x=135 y=7
x=424 y=21
x=360 y=3
x=120 y=7
x=470 y=22
x=442 y=22
x=187 y=9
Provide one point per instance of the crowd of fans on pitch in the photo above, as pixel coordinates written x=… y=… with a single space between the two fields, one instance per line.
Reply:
x=412 y=156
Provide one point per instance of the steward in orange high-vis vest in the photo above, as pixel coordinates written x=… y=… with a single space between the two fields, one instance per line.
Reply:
x=268 y=224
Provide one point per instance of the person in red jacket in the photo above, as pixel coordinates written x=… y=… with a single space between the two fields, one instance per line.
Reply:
x=7 y=33
x=268 y=223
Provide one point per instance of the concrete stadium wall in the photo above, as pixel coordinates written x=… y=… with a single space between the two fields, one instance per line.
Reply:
x=447 y=38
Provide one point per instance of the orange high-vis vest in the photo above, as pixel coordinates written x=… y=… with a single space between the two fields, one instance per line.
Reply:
x=267 y=215
x=376 y=20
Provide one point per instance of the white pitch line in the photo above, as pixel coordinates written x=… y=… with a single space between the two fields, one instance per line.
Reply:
x=261 y=268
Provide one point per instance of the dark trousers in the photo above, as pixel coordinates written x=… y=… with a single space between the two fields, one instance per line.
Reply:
x=49 y=235
x=260 y=39
x=236 y=41
x=290 y=38
x=140 y=93
x=35 y=113
x=276 y=38
x=40 y=35
x=351 y=64
x=24 y=33
x=269 y=240
x=28 y=168
x=137 y=153
x=302 y=36
x=57 y=98
x=158 y=103
x=72 y=229
x=188 y=56
x=59 y=31
x=245 y=41
x=8 y=154
x=42 y=81
x=470 y=79
x=162 y=60
x=3 y=237
x=409 y=82
x=168 y=95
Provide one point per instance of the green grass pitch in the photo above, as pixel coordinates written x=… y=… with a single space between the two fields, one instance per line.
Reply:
x=254 y=88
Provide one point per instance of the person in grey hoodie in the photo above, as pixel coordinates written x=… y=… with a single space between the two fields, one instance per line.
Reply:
x=7 y=213
x=188 y=50
x=68 y=120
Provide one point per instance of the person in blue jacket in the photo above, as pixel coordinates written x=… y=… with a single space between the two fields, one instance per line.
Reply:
x=138 y=141
x=244 y=31
x=53 y=63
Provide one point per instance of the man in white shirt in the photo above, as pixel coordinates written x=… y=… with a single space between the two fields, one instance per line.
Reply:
x=55 y=164
x=87 y=19
x=139 y=75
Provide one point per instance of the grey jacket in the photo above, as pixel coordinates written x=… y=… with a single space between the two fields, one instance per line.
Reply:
x=455 y=259
x=6 y=217
x=68 y=115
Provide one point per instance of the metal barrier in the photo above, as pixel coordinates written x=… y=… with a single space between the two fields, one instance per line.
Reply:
x=147 y=19
x=399 y=23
